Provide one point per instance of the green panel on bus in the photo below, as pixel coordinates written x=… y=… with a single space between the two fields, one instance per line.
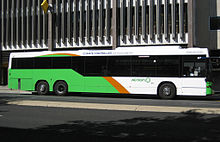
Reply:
x=76 y=82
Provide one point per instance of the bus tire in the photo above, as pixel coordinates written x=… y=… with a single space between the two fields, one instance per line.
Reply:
x=42 y=88
x=60 y=88
x=167 y=91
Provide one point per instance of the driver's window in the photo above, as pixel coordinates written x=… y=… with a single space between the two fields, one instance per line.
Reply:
x=194 y=69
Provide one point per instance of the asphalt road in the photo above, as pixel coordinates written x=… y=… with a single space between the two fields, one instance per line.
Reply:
x=32 y=122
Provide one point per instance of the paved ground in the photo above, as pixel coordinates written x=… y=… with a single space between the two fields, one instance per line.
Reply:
x=4 y=89
x=26 y=117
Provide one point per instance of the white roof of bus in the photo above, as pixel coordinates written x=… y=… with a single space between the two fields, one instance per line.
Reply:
x=120 y=51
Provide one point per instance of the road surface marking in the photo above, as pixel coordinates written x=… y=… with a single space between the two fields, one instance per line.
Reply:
x=121 y=107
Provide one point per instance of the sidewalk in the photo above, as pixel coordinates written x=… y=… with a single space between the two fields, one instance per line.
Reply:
x=5 y=89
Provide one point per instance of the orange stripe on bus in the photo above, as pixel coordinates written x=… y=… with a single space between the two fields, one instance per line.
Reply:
x=117 y=85
x=68 y=54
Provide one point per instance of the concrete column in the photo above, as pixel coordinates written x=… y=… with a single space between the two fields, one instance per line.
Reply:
x=50 y=29
x=114 y=25
x=191 y=23
x=1 y=39
x=107 y=20
x=129 y=19
x=1 y=76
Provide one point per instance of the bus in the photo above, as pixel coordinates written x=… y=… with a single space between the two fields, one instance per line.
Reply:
x=166 y=71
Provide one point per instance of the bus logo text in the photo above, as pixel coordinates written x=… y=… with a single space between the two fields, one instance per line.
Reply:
x=147 y=80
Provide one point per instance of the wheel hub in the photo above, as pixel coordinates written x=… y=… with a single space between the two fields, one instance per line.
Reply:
x=60 y=89
x=167 y=91
x=42 y=88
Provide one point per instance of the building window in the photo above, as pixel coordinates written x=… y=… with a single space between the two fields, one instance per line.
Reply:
x=215 y=23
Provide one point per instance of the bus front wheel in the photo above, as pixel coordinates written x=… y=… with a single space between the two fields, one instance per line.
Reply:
x=167 y=91
x=42 y=88
x=60 y=88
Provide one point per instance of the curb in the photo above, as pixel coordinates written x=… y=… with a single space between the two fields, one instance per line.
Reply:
x=14 y=92
x=5 y=89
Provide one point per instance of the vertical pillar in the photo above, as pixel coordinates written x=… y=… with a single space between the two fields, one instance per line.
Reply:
x=108 y=20
x=143 y=13
x=100 y=20
x=1 y=77
x=69 y=21
x=81 y=27
x=18 y=23
x=75 y=24
x=166 y=19
x=12 y=22
x=181 y=18
x=151 y=19
x=1 y=31
x=129 y=20
x=173 y=13
x=58 y=22
x=3 y=24
x=122 y=20
x=158 y=19
x=191 y=23
x=1 y=38
x=34 y=23
x=50 y=29
x=88 y=20
x=63 y=31
x=23 y=28
x=94 y=21
x=7 y=43
x=114 y=25
x=136 y=15
x=28 y=25
x=1 y=45
x=39 y=29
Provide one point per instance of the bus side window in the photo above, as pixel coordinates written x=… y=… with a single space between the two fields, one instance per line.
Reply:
x=61 y=62
x=119 y=66
x=200 y=67
x=188 y=69
x=197 y=69
x=104 y=71
x=77 y=64
x=22 y=63
x=94 y=65
x=42 y=63
x=14 y=63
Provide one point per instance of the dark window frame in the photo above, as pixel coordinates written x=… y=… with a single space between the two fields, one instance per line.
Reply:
x=212 y=25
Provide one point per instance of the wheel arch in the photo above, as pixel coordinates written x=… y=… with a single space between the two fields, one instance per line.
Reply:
x=169 y=82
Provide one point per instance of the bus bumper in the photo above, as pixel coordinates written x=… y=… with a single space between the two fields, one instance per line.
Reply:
x=209 y=90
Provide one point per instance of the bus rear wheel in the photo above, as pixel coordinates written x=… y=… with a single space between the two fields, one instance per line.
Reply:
x=60 y=88
x=42 y=88
x=167 y=91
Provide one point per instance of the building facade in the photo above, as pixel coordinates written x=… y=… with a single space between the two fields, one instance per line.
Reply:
x=77 y=24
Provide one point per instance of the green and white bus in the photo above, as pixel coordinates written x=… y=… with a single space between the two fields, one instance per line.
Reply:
x=164 y=71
